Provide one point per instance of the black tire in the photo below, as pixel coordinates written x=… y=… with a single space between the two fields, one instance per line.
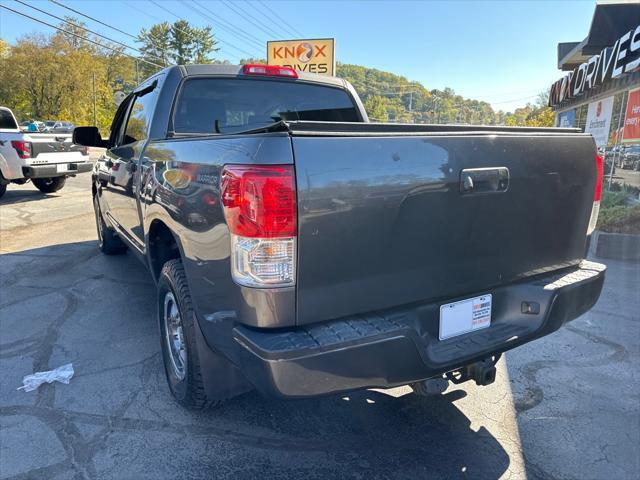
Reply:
x=3 y=188
x=108 y=241
x=49 y=185
x=186 y=385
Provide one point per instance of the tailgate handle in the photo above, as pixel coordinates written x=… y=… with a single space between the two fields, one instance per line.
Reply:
x=484 y=180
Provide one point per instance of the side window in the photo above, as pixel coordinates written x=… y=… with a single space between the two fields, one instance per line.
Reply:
x=137 y=128
x=118 y=122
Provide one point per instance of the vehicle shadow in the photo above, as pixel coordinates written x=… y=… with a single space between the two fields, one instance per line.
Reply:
x=102 y=318
x=375 y=434
x=12 y=196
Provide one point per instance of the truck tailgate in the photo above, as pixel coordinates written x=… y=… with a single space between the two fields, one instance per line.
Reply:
x=389 y=220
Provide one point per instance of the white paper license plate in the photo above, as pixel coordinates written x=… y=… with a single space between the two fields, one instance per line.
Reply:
x=465 y=316
x=62 y=167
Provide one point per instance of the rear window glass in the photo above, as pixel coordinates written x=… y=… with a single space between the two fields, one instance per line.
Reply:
x=6 y=120
x=219 y=105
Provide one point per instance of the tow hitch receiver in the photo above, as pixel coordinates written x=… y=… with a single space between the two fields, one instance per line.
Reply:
x=482 y=372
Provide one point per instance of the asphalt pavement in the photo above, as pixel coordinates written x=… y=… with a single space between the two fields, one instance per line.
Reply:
x=566 y=406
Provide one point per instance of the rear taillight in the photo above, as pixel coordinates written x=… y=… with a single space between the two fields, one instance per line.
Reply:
x=259 y=203
x=23 y=148
x=269 y=70
x=597 y=194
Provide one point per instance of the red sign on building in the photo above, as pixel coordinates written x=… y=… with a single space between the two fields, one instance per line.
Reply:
x=631 y=132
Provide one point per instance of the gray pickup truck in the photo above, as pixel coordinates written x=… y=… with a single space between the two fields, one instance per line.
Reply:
x=301 y=250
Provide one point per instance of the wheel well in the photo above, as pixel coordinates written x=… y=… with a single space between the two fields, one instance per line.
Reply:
x=162 y=247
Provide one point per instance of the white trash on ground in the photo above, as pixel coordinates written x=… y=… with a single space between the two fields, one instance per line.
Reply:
x=61 y=374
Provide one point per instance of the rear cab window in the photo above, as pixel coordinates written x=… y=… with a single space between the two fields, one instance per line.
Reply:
x=7 y=122
x=221 y=105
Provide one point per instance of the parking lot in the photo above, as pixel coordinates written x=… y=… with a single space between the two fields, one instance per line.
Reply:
x=567 y=406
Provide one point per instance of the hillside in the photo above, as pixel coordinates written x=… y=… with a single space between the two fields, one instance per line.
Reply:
x=393 y=98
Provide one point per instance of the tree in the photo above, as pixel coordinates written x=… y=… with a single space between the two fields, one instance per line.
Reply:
x=156 y=46
x=4 y=49
x=203 y=45
x=178 y=43
x=51 y=77
x=376 y=109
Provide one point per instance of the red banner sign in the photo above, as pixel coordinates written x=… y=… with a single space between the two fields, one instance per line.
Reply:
x=631 y=132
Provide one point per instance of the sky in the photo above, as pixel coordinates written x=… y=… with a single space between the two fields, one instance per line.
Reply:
x=502 y=52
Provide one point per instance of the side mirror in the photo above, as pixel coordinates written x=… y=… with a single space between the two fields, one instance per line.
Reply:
x=88 y=137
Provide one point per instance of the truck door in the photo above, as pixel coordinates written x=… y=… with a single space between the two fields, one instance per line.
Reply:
x=121 y=189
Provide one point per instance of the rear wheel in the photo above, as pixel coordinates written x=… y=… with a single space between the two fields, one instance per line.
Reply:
x=108 y=241
x=3 y=188
x=178 y=338
x=49 y=185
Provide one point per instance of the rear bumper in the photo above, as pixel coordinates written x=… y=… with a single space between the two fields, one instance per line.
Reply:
x=385 y=349
x=48 y=171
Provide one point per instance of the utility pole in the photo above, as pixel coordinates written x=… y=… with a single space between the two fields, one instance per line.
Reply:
x=95 y=123
x=410 y=100
x=137 y=74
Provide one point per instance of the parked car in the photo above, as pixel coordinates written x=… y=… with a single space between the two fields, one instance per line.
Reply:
x=63 y=127
x=630 y=156
x=303 y=251
x=44 y=159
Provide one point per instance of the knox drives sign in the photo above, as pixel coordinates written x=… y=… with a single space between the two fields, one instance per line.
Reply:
x=312 y=56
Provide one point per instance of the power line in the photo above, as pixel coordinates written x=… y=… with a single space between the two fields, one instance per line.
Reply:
x=226 y=29
x=234 y=29
x=514 y=100
x=93 y=19
x=292 y=29
x=249 y=43
x=79 y=36
x=200 y=13
x=87 y=30
x=158 y=19
x=248 y=17
x=106 y=25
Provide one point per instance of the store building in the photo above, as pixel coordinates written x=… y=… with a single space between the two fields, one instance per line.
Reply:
x=601 y=91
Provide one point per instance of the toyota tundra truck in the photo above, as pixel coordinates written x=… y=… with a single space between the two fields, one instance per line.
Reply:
x=300 y=250
x=44 y=159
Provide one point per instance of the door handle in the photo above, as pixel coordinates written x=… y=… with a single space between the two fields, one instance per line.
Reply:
x=484 y=180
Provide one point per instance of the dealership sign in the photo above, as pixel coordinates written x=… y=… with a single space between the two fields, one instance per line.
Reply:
x=631 y=131
x=599 y=120
x=622 y=57
x=313 y=56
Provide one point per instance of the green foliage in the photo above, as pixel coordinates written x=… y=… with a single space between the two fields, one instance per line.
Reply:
x=620 y=219
x=614 y=199
x=376 y=107
x=51 y=77
x=178 y=43
x=406 y=101
x=618 y=213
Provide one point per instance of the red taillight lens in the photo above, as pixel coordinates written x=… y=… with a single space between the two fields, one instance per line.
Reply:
x=23 y=148
x=597 y=194
x=259 y=200
x=269 y=70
